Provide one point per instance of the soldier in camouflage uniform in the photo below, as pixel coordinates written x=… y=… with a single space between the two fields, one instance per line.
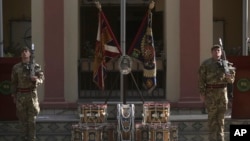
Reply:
x=24 y=92
x=213 y=92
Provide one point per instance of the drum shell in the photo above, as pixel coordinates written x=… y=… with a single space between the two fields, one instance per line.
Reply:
x=76 y=133
x=156 y=112
x=153 y=132
x=142 y=132
x=86 y=133
x=92 y=134
x=160 y=134
x=174 y=133
x=93 y=113
x=109 y=133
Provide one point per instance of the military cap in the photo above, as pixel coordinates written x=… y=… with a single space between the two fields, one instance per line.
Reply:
x=215 y=46
x=25 y=48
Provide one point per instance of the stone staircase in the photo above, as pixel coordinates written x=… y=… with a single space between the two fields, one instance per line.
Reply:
x=56 y=125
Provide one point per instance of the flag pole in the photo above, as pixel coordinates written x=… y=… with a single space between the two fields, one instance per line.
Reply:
x=245 y=38
x=1 y=29
x=123 y=46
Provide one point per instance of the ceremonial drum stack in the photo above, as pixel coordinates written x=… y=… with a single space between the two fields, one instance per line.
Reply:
x=126 y=122
x=155 y=125
x=93 y=124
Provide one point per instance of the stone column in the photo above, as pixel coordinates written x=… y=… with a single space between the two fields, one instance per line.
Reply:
x=172 y=48
x=54 y=51
x=189 y=52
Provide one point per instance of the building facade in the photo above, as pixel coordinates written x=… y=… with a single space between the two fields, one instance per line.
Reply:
x=188 y=33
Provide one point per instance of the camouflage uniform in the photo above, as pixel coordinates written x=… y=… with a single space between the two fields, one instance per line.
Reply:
x=212 y=84
x=25 y=92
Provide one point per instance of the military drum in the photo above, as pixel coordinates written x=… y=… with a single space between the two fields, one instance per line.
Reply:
x=125 y=125
x=109 y=132
x=80 y=132
x=142 y=132
x=152 y=132
x=93 y=113
x=156 y=112
x=101 y=132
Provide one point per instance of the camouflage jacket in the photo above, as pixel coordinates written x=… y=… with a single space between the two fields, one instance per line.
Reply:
x=212 y=72
x=20 y=77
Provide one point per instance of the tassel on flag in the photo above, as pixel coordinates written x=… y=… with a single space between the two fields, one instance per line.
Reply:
x=106 y=47
x=142 y=48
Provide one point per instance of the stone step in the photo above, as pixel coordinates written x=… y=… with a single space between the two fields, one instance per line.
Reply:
x=59 y=127
x=56 y=124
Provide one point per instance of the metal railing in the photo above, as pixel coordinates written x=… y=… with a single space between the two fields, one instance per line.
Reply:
x=89 y=90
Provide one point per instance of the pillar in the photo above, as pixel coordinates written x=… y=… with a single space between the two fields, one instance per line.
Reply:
x=189 y=52
x=54 y=51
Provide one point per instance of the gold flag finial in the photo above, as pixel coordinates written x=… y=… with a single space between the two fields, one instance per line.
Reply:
x=151 y=5
x=98 y=5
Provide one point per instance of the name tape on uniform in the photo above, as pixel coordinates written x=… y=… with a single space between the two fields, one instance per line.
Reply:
x=239 y=132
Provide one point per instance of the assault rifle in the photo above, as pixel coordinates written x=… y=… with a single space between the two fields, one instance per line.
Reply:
x=227 y=67
x=225 y=64
x=32 y=61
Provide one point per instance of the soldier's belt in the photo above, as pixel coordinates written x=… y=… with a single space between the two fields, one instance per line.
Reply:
x=215 y=86
x=24 y=90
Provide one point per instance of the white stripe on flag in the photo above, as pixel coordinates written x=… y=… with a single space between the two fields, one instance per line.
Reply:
x=112 y=49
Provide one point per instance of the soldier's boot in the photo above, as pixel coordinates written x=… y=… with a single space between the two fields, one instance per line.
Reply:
x=32 y=131
x=23 y=131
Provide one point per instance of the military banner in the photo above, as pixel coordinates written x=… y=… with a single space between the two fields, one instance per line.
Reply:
x=106 y=47
x=142 y=48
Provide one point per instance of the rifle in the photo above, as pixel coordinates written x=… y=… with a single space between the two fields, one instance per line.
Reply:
x=227 y=67
x=32 y=61
x=225 y=62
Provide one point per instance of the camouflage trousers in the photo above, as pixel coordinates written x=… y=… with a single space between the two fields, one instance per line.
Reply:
x=27 y=109
x=216 y=103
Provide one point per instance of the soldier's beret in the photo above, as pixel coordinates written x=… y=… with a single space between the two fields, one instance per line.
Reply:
x=215 y=46
x=25 y=48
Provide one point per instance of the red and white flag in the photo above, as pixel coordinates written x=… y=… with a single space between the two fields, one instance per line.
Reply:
x=106 y=47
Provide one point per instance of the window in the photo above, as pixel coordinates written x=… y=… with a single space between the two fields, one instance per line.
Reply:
x=88 y=33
